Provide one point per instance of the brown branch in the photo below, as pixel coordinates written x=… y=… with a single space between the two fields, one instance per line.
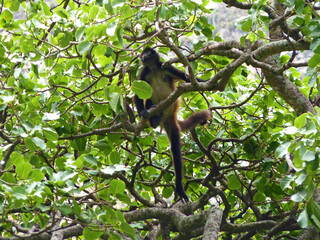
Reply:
x=101 y=132
x=66 y=2
x=212 y=227
x=236 y=139
x=130 y=187
x=242 y=103
x=237 y=4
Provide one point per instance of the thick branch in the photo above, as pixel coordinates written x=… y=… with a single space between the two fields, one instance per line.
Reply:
x=278 y=81
x=276 y=47
x=212 y=227
x=238 y=4
x=184 y=224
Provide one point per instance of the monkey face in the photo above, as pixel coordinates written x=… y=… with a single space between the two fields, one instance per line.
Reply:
x=149 y=56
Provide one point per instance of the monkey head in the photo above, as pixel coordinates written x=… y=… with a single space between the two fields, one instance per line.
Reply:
x=149 y=57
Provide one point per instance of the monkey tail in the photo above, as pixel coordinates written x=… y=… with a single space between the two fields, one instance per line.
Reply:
x=195 y=119
x=173 y=131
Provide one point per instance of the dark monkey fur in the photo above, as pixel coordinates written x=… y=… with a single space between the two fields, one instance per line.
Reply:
x=162 y=80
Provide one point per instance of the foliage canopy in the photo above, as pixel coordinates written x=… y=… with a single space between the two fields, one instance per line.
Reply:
x=75 y=161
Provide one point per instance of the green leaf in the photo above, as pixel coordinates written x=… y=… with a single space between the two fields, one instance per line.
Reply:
x=297 y=159
x=91 y=234
x=76 y=208
x=117 y=186
x=243 y=40
x=51 y=116
x=65 y=209
x=16 y=159
x=316 y=220
x=306 y=155
x=167 y=192
x=7 y=99
x=114 y=157
x=115 y=101
x=107 y=5
x=267 y=164
x=315 y=29
x=28 y=126
x=127 y=229
x=282 y=149
x=6 y=16
x=91 y=159
x=163 y=11
x=119 y=33
x=247 y=25
x=142 y=89
x=234 y=183
x=123 y=197
x=310 y=189
x=303 y=219
x=39 y=142
x=299 y=5
x=313 y=210
x=96 y=31
x=126 y=12
x=94 y=10
x=301 y=179
x=313 y=165
x=285 y=182
x=30 y=144
x=162 y=142
x=50 y=134
x=79 y=144
x=114 y=168
x=261 y=183
x=315 y=45
x=62 y=13
x=84 y=47
x=259 y=197
x=314 y=60
x=300 y=121
x=151 y=14
x=63 y=176
x=9 y=177
x=23 y=170
x=80 y=33
x=100 y=50
x=299 y=196
x=37 y=175
x=45 y=8
x=19 y=193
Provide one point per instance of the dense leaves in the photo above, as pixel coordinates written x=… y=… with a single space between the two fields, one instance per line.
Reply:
x=76 y=160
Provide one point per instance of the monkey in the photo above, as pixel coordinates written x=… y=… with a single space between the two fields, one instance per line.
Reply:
x=162 y=80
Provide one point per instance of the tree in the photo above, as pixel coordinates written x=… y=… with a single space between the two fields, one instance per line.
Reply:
x=76 y=161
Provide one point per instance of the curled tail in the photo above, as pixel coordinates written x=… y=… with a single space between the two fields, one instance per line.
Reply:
x=195 y=119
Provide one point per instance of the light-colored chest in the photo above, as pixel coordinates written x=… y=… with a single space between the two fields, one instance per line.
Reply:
x=162 y=86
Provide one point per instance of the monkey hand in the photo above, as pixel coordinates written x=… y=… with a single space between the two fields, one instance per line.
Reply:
x=144 y=114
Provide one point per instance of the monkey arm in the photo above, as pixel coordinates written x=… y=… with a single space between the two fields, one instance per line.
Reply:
x=178 y=74
x=140 y=107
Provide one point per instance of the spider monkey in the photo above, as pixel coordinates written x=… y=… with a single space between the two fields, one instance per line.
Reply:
x=162 y=80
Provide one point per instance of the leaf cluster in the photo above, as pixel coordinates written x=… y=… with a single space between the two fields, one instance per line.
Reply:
x=76 y=160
